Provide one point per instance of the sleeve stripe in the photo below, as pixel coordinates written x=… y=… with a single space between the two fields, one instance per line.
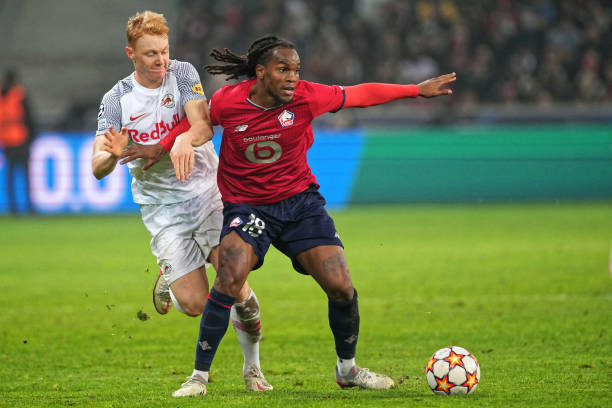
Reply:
x=343 y=100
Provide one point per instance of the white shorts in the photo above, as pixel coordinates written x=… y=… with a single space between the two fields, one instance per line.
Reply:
x=183 y=234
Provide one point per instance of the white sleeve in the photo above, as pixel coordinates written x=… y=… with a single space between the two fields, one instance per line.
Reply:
x=109 y=113
x=188 y=82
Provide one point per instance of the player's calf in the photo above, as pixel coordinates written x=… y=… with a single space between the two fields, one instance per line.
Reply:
x=246 y=321
x=246 y=318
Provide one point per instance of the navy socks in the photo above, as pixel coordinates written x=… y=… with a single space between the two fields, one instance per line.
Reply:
x=344 y=324
x=213 y=325
x=343 y=321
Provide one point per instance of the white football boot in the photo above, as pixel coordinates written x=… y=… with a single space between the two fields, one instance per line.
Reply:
x=161 y=294
x=254 y=380
x=194 y=386
x=364 y=378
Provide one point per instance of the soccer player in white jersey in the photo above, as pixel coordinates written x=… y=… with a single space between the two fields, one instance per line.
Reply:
x=183 y=218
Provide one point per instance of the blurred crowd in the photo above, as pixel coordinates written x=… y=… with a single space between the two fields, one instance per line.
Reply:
x=504 y=51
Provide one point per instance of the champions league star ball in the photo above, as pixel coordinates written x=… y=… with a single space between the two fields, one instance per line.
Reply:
x=452 y=370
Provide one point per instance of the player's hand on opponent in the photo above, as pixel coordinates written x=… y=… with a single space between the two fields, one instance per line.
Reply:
x=437 y=86
x=151 y=153
x=115 y=142
x=182 y=156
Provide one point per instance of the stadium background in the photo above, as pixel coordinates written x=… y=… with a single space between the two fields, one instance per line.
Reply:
x=530 y=120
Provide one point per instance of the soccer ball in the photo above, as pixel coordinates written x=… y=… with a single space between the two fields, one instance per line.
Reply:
x=452 y=370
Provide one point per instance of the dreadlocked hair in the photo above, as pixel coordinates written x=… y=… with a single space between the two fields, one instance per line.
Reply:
x=244 y=65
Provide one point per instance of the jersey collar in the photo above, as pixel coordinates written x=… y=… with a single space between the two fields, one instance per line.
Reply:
x=250 y=102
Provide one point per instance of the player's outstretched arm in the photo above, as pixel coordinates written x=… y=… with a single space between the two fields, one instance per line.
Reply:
x=107 y=149
x=370 y=94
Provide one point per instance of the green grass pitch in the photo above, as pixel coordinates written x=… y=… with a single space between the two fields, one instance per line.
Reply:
x=524 y=287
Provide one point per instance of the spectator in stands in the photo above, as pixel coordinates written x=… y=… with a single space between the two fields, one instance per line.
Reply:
x=535 y=51
x=16 y=134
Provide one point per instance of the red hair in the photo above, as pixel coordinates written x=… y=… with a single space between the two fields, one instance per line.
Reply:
x=146 y=22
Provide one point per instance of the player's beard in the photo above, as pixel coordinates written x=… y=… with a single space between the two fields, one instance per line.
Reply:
x=282 y=99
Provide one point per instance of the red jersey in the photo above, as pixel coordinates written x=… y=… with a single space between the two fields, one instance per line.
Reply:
x=263 y=150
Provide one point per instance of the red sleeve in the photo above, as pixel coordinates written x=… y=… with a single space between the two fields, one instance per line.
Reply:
x=324 y=98
x=168 y=141
x=213 y=105
x=370 y=94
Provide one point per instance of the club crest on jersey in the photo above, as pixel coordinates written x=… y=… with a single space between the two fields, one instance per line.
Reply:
x=168 y=101
x=286 y=118
x=236 y=222
x=241 y=128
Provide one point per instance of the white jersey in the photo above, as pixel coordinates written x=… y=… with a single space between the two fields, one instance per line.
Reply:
x=149 y=114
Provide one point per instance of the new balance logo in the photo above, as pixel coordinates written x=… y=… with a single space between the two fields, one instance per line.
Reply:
x=351 y=339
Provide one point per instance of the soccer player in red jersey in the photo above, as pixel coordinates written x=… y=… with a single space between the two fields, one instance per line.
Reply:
x=270 y=195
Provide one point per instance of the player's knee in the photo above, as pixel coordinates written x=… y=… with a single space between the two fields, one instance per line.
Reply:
x=228 y=284
x=231 y=256
x=232 y=274
x=341 y=292
x=193 y=307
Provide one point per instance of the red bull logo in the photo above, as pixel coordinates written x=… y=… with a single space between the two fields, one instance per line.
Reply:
x=161 y=128
x=168 y=101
